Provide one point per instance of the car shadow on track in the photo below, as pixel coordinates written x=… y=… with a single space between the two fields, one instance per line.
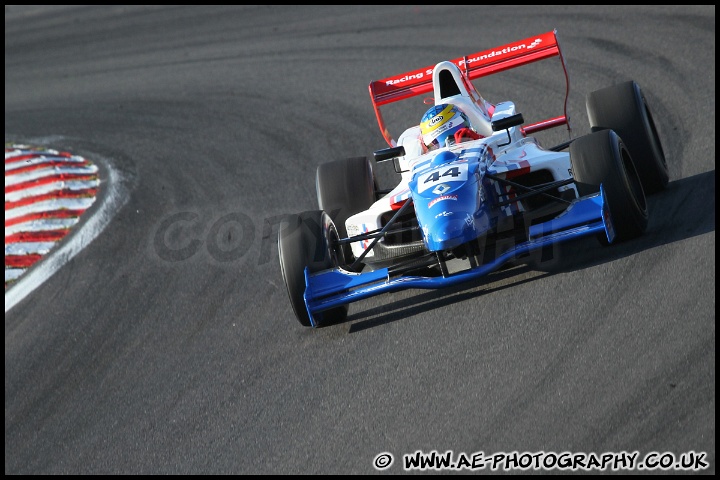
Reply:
x=684 y=210
x=438 y=299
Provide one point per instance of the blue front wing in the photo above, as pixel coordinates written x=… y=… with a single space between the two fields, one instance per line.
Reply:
x=336 y=287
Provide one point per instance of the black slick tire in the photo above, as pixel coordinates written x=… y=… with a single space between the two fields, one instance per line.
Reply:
x=306 y=240
x=602 y=158
x=345 y=187
x=624 y=109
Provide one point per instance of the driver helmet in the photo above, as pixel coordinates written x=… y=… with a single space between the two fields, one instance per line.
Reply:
x=441 y=122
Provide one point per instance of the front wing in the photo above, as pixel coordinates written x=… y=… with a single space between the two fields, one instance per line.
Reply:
x=336 y=287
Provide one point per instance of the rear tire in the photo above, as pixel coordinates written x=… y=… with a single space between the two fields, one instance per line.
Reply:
x=307 y=240
x=602 y=158
x=623 y=108
x=344 y=188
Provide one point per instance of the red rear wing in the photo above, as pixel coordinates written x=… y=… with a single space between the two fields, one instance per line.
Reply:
x=477 y=65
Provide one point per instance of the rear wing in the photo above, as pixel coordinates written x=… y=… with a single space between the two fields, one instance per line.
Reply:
x=477 y=65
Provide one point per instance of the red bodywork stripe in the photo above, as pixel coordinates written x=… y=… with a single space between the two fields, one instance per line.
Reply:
x=524 y=169
x=398 y=205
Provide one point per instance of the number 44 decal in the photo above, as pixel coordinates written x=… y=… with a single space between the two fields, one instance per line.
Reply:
x=454 y=173
x=435 y=176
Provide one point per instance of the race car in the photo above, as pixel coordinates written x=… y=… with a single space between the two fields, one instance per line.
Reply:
x=468 y=207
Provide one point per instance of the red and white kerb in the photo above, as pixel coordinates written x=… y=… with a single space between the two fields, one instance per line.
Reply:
x=46 y=192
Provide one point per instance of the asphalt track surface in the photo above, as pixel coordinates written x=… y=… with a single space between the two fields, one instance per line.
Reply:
x=168 y=345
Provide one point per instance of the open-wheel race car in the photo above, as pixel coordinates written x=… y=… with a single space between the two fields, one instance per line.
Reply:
x=467 y=204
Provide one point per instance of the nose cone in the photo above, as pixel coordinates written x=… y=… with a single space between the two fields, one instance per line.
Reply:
x=454 y=230
x=449 y=233
x=443 y=157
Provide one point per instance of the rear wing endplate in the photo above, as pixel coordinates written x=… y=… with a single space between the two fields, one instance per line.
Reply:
x=477 y=65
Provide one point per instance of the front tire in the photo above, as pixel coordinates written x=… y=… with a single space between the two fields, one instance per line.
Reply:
x=602 y=158
x=345 y=187
x=623 y=108
x=308 y=240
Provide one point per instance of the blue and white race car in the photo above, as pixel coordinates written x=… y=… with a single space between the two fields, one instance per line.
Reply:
x=467 y=205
